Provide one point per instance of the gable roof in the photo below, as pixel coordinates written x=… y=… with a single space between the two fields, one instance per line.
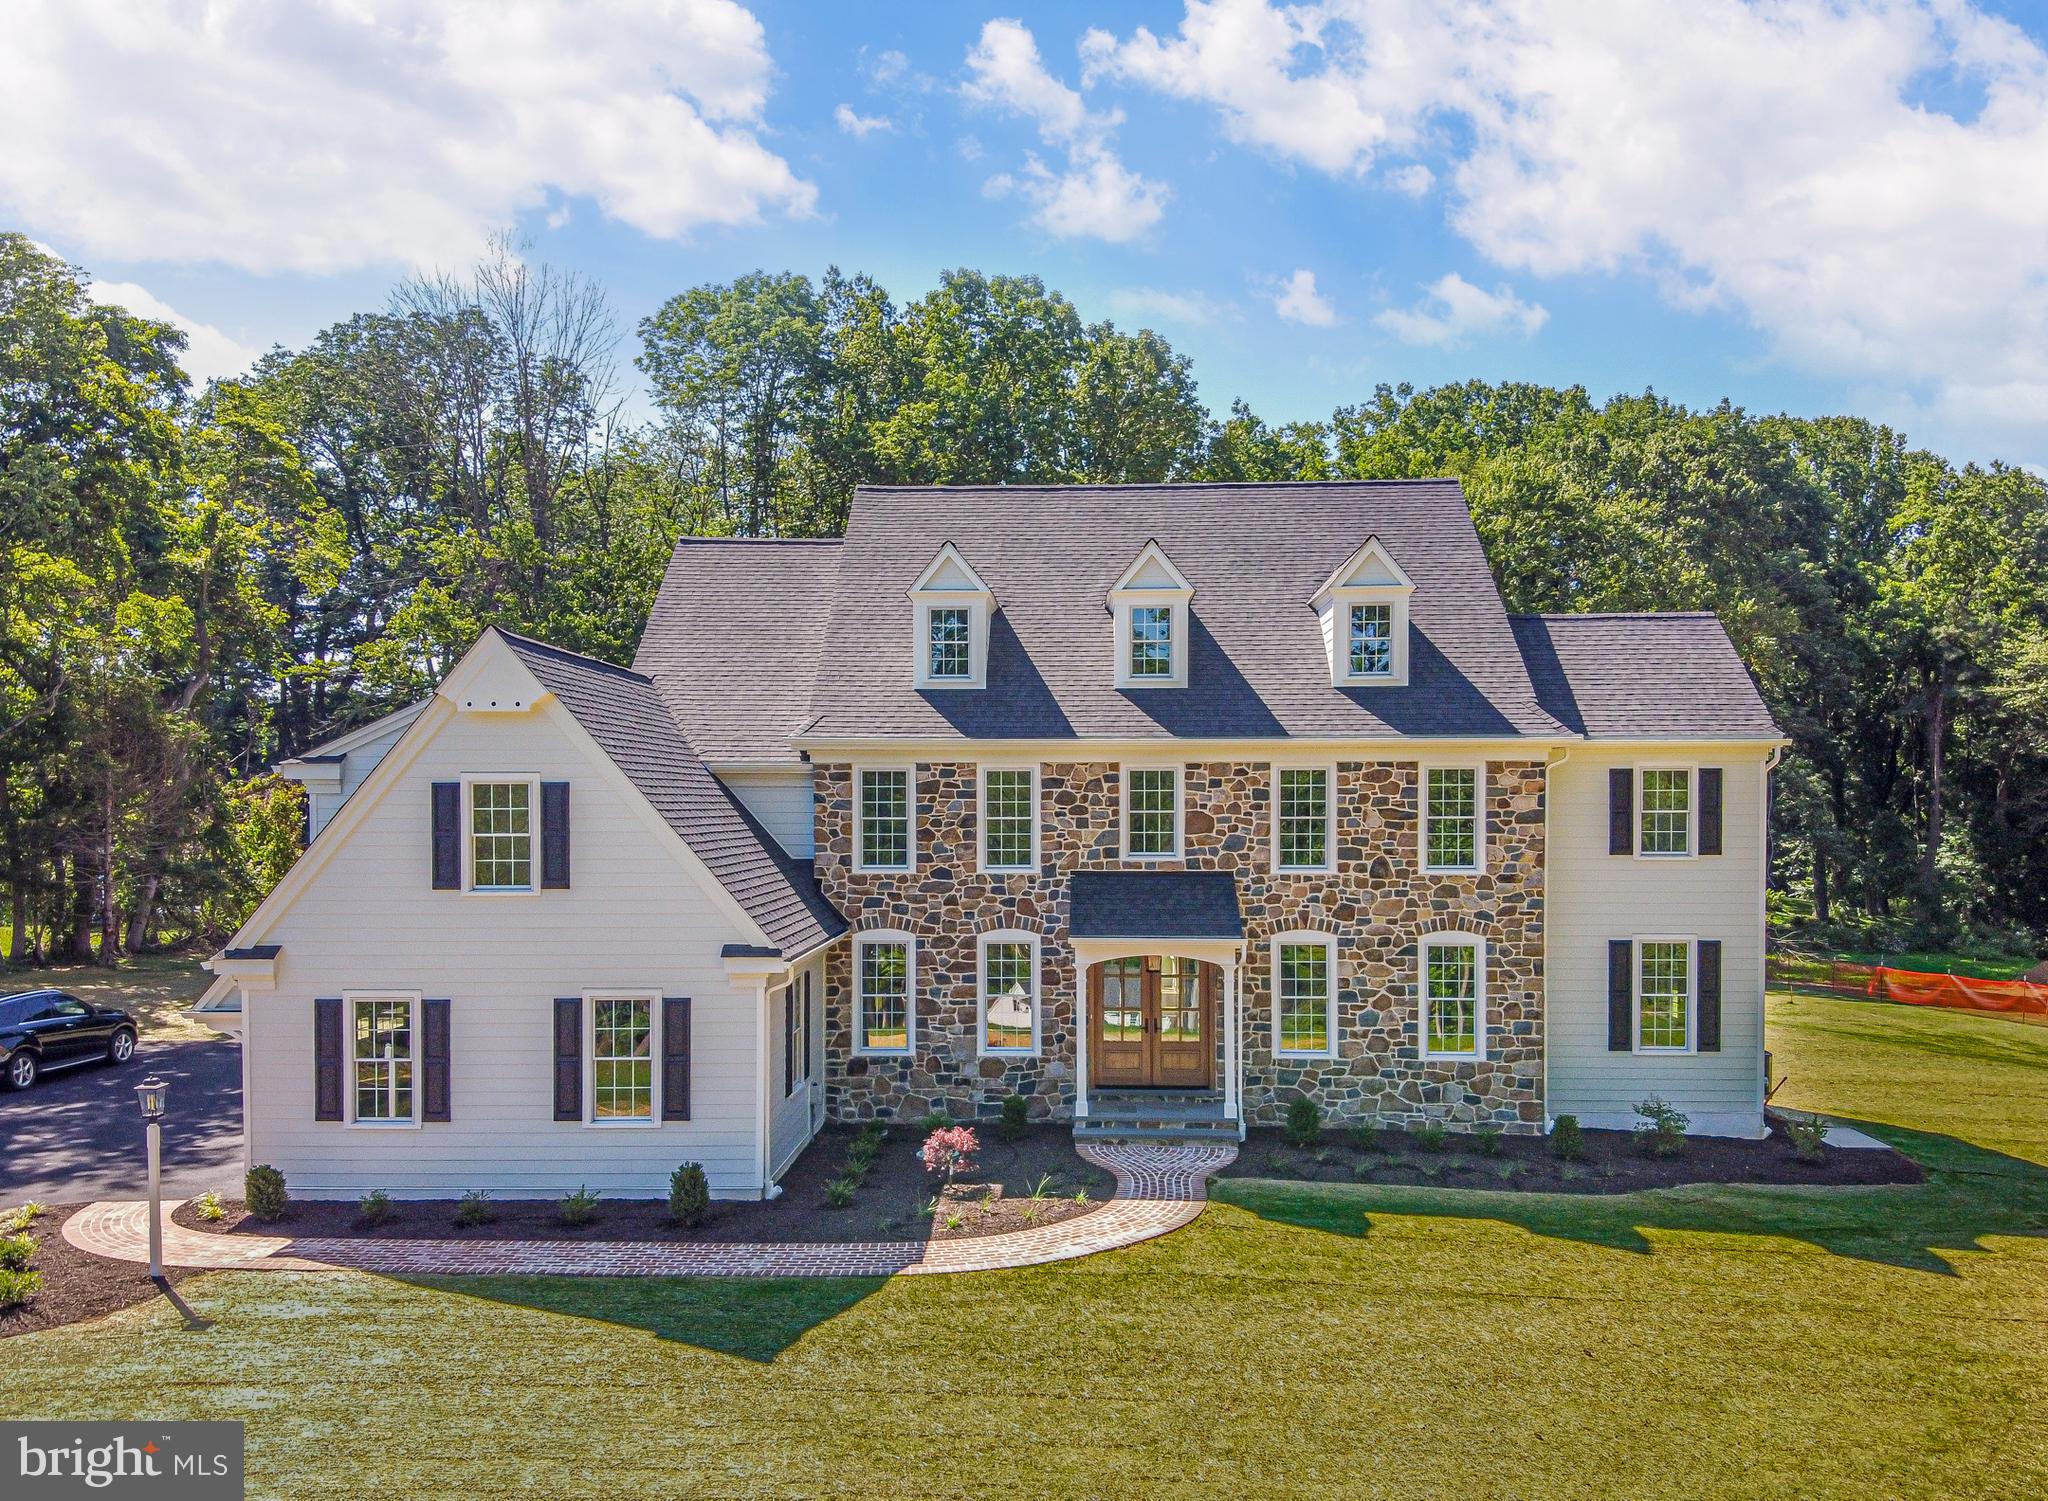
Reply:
x=621 y=710
x=1650 y=675
x=732 y=642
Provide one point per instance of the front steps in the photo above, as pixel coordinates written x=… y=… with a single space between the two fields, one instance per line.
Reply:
x=1189 y=1115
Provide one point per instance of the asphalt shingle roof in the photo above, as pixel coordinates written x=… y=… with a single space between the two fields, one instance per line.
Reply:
x=1652 y=675
x=1154 y=904
x=623 y=713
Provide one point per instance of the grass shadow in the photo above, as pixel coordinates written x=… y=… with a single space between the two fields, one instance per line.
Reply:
x=1969 y=1193
x=756 y=1318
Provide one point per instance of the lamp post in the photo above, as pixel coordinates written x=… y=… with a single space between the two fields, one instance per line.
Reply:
x=150 y=1092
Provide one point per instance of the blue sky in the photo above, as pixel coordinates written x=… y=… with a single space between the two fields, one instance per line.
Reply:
x=1801 y=206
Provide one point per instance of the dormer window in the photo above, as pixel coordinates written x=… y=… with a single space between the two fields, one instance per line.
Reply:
x=1149 y=608
x=1363 y=609
x=950 y=606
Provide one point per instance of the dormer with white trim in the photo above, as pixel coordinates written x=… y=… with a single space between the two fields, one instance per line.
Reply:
x=1363 y=610
x=1150 y=608
x=949 y=612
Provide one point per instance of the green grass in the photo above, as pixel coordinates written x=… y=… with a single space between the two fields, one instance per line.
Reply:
x=1296 y=1340
x=1937 y=962
x=155 y=987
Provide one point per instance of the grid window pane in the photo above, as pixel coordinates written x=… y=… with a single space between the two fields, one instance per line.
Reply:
x=501 y=836
x=1452 y=819
x=1663 y=995
x=1304 y=989
x=884 y=1000
x=1372 y=640
x=1451 y=998
x=1667 y=812
x=1153 y=796
x=1123 y=1000
x=382 y=1055
x=949 y=643
x=1152 y=641
x=885 y=819
x=1007 y=835
x=1006 y=994
x=1304 y=815
x=622 y=1060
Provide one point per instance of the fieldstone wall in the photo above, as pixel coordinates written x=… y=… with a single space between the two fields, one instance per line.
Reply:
x=1378 y=904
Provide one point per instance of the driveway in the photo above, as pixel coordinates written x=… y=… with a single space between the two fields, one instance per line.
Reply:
x=78 y=1134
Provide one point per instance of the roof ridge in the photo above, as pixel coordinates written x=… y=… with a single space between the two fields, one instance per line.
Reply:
x=584 y=658
x=692 y=541
x=1548 y=615
x=1177 y=485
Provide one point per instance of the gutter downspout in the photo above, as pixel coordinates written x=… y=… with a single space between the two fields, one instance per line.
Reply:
x=764 y=1097
x=1551 y=762
x=1763 y=918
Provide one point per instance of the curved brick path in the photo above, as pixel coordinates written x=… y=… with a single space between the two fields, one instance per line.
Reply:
x=1158 y=1188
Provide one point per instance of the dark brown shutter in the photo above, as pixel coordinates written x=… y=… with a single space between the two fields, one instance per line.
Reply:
x=1709 y=963
x=434 y=1048
x=1621 y=995
x=788 y=1040
x=675 y=1058
x=1710 y=810
x=1621 y=810
x=554 y=835
x=568 y=1058
x=327 y=1060
x=447 y=836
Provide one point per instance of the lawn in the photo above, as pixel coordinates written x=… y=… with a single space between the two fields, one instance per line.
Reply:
x=1298 y=1340
x=155 y=987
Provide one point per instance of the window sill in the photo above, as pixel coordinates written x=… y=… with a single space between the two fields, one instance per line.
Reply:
x=501 y=891
x=1662 y=858
x=884 y=870
x=412 y=1125
x=1319 y=1055
x=1649 y=1052
x=1454 y=870
x=631 y=1125
x=1426 y=1056
x=1304 y=870
x=1030 y=1052
x=1166 y=859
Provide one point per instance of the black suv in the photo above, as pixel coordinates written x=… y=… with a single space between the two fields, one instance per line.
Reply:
x=42 y=1029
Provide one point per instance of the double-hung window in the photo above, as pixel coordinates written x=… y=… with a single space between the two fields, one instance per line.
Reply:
x=621 y=1059
x=501 y=827
x=1151 y=641
x=1009 y=818
x=381 y=1058
x=1666 y=816
x=883 y=839
x=1152 y=812
x=885 y=993
x=1451 y=798
x=1371 y=636
x=1304 y=994
x=1664 y=995
x=1009 y=993
x=950 y=642
x=1453 y=997
x=1302 y=797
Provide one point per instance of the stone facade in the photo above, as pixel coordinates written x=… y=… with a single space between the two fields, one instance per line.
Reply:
x=1378 y=903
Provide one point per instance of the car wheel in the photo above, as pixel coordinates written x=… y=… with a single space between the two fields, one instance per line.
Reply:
x=122 y=1048
x=22 y=1070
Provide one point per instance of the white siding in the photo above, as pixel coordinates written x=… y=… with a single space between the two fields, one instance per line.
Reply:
x=357 y=764
x=782 y=801
x=794 y=1117
x=635 y=919
x=1592 y=896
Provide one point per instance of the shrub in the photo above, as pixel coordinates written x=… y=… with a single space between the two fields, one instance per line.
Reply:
x=839 y=1192
x=208 y=1207
x=689 y=1196
x=1364 y=1138
x=1432 y=1137
x=578 y=1208
x=938 y=1120
x=374 y=1207
x=871 y=1135
x=1809 y=1139
x=862 y=1152
x=949 y=1150
x=475 y=1209
x=1016 y=1121
x=1567 y=1141
x=1486 y=1141
x=1363 y=1169
x=1506 y=1171
x=1662 y=1133
x=1304 y=1122
x=17 y=1288
x=263 y=1192
x=15 y=1251
x=20 y=1219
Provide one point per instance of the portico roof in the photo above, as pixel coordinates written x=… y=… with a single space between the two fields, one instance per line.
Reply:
x=1121 y=904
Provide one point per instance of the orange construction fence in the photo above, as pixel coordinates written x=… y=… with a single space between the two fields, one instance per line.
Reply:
x=1880 y=982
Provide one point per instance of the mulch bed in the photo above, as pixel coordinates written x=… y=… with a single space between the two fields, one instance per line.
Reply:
x=888 y=1205
x=77 y=1286
x=1614 y=1162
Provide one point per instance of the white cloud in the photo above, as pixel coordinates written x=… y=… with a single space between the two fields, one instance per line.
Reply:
x=1454 y=310
x=348 y=133
x=209 y=353
x=1297 y=300
x=1138 y=303
x=1414 y=179
x=861 y=126
x=1093 y=193
x=1796 y=163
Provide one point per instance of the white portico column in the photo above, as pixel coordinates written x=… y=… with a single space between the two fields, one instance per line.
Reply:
x=1233 y=1046
x=1082 y=1023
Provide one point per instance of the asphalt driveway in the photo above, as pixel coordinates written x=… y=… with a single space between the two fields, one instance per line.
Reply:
x=78 y=1133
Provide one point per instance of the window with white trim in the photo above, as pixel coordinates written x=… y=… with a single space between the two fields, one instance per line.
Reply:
x=1302 y=798
x=1453 y=1019
x=1009 y=817
x=883 y=840
x=950 y=641
x=1663 y=995
x=1304 y=995
x=381 y=1058
x=501 y=824
x=1665 y=819
x=1151 y=642
x=1009 y=993
x=1450 y=818
x=621 y=1059
x=884 y=974
x=1151 y=812
x=1371 y=632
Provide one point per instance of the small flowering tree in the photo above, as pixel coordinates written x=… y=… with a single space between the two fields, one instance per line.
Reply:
x=949 y=1150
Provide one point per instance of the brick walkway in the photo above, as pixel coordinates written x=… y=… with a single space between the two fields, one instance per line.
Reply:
x=1158 y=1189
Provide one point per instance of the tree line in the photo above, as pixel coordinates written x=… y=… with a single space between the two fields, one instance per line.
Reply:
x=197 y=583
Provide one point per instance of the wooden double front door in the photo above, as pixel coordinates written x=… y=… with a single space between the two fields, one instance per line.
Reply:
x=1152 y=1023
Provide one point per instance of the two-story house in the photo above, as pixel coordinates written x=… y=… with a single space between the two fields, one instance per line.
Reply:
x=1143 y=802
